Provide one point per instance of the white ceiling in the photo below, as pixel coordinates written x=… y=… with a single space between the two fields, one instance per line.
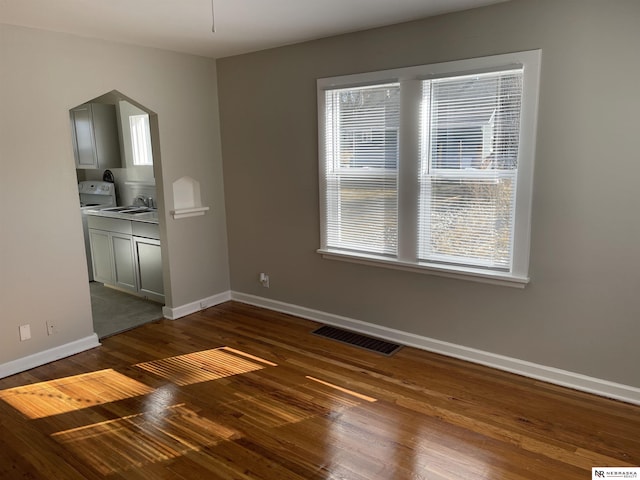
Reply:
x=241 y=25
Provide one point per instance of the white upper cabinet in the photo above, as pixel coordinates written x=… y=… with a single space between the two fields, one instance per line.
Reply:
x=94 y=130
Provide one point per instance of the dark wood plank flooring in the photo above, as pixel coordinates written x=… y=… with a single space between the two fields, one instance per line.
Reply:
x=239 y=392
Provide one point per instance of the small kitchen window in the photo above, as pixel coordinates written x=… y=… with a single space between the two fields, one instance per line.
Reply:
x=141 y=139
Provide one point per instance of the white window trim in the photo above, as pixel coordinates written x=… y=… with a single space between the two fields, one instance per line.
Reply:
x=518 y=276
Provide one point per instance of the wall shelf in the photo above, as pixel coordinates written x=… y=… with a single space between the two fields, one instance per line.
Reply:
x=188 y=212
x=186 y=199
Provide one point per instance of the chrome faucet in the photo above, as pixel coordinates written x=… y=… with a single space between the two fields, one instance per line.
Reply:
x=141 y=199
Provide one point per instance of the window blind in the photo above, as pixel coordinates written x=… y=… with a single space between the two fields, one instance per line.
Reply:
x=361 y=168
x=469 y=167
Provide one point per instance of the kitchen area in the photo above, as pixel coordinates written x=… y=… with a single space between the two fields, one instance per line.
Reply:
x=112 y=146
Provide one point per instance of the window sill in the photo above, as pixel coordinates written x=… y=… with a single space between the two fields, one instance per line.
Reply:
x=449 y=271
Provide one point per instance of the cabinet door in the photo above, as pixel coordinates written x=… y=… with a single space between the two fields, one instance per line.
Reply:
x=149 y=263
x=84 y=142
x=124 y=274
x=101 y=256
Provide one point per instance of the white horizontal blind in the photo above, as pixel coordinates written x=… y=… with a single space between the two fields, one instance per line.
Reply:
x=469 y=167
x=361 y=168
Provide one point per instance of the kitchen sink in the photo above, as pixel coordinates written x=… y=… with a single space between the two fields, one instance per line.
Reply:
x=116 y=209
x=137 y=211
x=131 y=209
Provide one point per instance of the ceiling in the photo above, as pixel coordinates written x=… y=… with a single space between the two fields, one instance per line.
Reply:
x=241 y=25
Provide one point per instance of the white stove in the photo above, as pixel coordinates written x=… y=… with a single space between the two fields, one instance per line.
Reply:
x=97 y=194
x=94 y=195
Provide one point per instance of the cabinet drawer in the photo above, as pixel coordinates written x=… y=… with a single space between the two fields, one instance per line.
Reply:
x=147 y=230
x=109 y=224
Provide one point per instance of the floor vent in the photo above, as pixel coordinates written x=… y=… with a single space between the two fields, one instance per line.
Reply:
x=357 y=340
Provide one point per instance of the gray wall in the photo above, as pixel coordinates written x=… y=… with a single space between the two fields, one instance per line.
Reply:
x=42 y=266
x=581 y=311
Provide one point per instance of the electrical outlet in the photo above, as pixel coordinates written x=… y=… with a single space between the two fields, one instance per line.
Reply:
x=25 y=332
x=264 y=280
x=51 y=329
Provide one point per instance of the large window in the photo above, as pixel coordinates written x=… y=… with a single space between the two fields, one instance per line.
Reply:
x=430 y=168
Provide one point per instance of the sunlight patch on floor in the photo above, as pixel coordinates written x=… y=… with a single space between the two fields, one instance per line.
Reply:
x=203 y=366
x=137 y=440
x=67 y=394
x=344 y=390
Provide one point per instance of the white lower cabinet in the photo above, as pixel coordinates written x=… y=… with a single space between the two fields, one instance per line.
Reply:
x=101 y=256
x=124 y=268
x=148 y=259
x=125 y=260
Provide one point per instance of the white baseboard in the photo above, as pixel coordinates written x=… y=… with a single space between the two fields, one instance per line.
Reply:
x=46 y=356
x=193 y=307
x=576 y=381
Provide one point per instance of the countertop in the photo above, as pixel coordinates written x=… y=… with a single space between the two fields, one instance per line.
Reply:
x=150 y=216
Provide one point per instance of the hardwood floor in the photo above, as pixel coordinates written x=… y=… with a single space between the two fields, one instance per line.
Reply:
x=238 y=392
